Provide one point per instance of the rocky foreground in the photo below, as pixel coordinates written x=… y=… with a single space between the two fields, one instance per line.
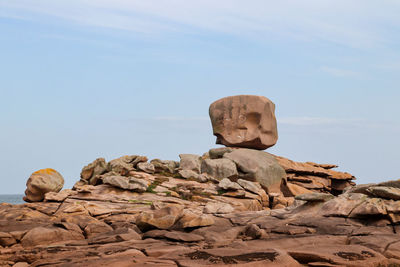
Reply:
x=130 y=212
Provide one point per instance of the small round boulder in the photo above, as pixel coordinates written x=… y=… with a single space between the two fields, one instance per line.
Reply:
x=42 y=182
x=246 y=121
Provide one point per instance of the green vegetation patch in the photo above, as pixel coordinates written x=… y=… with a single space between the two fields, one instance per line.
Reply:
x=144 y=202
x=221 y=191
x=152 y=186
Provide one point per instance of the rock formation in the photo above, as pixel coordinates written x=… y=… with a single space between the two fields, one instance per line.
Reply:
x=42 y=182
x=244 y=121
x=231 y=206
x=134 y=218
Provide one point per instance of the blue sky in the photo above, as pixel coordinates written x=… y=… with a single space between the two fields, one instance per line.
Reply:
x=87 y=79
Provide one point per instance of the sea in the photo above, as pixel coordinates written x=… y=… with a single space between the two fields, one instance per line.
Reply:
x=12 y=199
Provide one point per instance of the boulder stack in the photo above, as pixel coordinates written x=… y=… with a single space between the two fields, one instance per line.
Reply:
x=234 y=205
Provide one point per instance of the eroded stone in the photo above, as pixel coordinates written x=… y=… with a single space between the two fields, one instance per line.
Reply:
x=244 y=121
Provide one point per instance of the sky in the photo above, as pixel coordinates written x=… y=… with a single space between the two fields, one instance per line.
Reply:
x=82 y=79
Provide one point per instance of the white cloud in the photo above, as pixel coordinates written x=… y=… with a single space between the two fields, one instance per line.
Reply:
x=355 y=23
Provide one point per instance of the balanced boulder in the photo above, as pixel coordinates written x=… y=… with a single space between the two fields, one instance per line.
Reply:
x=42 y=182
x=244 y=121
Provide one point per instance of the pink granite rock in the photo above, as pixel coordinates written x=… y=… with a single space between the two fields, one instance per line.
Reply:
x=244 y=121
x=42 y=182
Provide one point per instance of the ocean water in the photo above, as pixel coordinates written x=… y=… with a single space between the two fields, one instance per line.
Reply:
x=12 y=199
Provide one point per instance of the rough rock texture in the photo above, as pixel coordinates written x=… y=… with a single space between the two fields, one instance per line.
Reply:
x=90 y=172
x=146 y=167
x=192 y=175
x=217 y=153
x=314 y=177
x=257 y=166
x=190 y=162
x=385 y=192
x=125 y=164
x=42 y=182
x=107 y=226
x=165 y=166
x=314 y=197
x=128 y=183
x=177 y=221
x=219 y=168
x=244 y=121
x=227 y=184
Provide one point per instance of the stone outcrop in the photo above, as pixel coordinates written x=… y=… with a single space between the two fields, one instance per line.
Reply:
x=42 y=182
x=244 y=121
x=125 y=164
x=181 y=222
x=314 y=177
x=234 y=206
x=90 y=173
x=257 y=175
x=276 y=180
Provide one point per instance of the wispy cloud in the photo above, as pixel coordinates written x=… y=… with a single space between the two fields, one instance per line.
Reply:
x=307 y=20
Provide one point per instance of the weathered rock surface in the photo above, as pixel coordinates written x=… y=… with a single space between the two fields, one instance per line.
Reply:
x=91 y=171
x=146 y=167
x=165 y=166
x=190 y=162
x=385 y=192
x=163 y=218
x=42 y=182
x=314 y=197
x=125 y=164
x=219 y=168
x=128 y=183
x=139 y=219
x=217 y=153
x=314 y=177
x=244 y=121
x=59 y=196
x=257 y=166
x=48 y=235
x=227 y=184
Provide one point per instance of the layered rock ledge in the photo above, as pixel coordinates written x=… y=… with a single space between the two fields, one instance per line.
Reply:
x=216 y=209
